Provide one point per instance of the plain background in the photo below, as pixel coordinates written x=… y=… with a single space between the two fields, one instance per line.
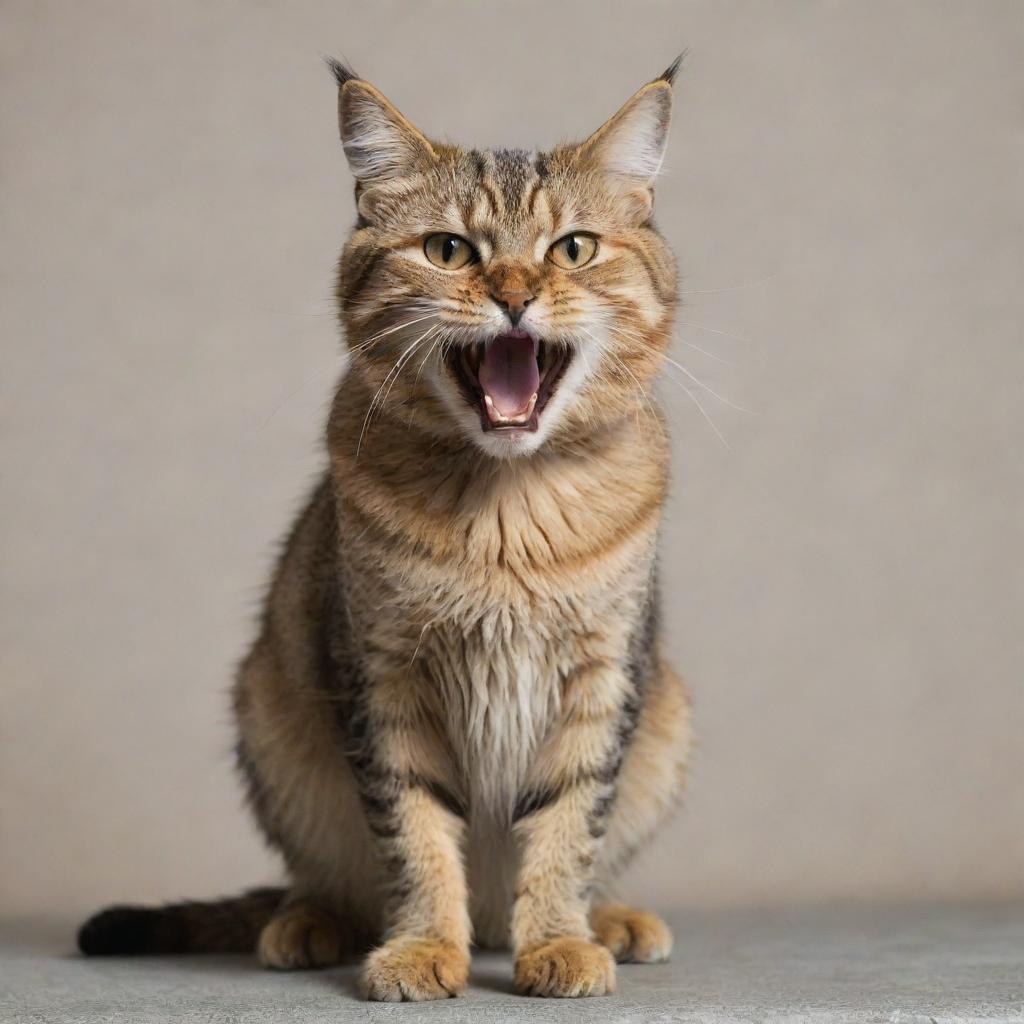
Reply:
x=844 y=580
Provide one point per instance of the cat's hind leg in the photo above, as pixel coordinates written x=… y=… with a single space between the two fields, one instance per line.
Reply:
x=632 y=936
x=304 y=934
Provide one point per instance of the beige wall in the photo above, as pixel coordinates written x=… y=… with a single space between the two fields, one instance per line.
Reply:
x=844 y=585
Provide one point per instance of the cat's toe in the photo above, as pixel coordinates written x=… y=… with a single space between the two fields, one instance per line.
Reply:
x=565 y=968
x=413 y=970
x=633 y=936
x=301 y=936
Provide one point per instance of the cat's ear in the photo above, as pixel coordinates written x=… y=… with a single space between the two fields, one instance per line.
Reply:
x=380 y=144
x=629 y=147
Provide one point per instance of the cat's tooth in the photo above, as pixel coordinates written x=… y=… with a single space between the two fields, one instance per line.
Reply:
x=492 y=412
x=496 y=417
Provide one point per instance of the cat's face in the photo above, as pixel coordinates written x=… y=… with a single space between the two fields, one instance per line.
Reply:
x=504 y=296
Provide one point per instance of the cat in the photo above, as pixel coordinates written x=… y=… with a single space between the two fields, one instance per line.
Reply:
x=456 y=723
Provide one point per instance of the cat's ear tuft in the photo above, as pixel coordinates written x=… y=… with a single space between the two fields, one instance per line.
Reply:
x=380 y=144
x=341 y=71
x=630 y=147
x=669 y=74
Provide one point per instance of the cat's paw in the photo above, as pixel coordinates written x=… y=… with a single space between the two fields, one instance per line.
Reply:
x=566 y=967
x=302 y=935
x=411 y=970
x=633 y=936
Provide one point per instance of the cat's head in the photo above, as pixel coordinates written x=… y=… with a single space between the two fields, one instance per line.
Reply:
x=505 y=296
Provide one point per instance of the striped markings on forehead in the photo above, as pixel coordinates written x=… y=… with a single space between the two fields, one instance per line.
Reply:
x=510 y=203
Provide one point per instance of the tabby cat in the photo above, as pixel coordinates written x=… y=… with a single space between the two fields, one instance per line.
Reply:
x=456 y=723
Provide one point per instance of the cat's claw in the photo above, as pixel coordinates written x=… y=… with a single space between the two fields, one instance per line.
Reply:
x=569 y=967
x=413 y=970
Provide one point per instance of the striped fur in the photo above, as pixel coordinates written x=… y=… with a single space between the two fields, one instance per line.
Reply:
x=456 y=723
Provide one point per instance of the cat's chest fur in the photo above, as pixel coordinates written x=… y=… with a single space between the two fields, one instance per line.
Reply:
x=497 y=682
x=483 y=600
x=494 y=655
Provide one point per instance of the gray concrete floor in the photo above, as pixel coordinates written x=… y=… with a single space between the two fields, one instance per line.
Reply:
x=897 y=966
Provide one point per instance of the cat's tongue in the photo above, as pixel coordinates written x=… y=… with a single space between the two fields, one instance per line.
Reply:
x=508 y=374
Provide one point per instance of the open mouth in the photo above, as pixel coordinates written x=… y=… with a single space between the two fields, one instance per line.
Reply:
x=510 y=379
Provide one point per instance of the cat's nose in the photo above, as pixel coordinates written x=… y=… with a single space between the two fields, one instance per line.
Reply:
x=514 y=304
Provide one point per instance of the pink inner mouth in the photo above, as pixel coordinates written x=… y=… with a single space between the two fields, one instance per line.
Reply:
x=509 y=379
x=508 y=374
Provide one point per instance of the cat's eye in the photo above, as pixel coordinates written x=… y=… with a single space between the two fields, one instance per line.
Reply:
x=447 y=251
x=573 y=251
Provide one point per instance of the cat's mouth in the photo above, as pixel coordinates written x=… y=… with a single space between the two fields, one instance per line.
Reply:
x=510 y=378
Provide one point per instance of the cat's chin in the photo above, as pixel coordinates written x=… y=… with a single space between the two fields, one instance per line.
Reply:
x=509 y=427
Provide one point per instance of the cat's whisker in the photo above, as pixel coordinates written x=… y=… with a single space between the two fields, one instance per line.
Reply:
x=632 y=335
x=628 y=334
x=406 y=357
x=395 y=369
x=711 y=423
x=391 y=330
x=423 y=362
x=715 y=330
x=647 y=401
x=419 y=372
x=637 y=336
x=382 y=301
x=711 y=391
x=636 y=380
x=705 y=352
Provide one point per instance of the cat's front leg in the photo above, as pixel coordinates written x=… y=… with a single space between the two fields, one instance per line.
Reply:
x=420 y=828
x=560 y=824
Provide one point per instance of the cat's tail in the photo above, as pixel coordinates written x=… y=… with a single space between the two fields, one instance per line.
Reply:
x=230 y=925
